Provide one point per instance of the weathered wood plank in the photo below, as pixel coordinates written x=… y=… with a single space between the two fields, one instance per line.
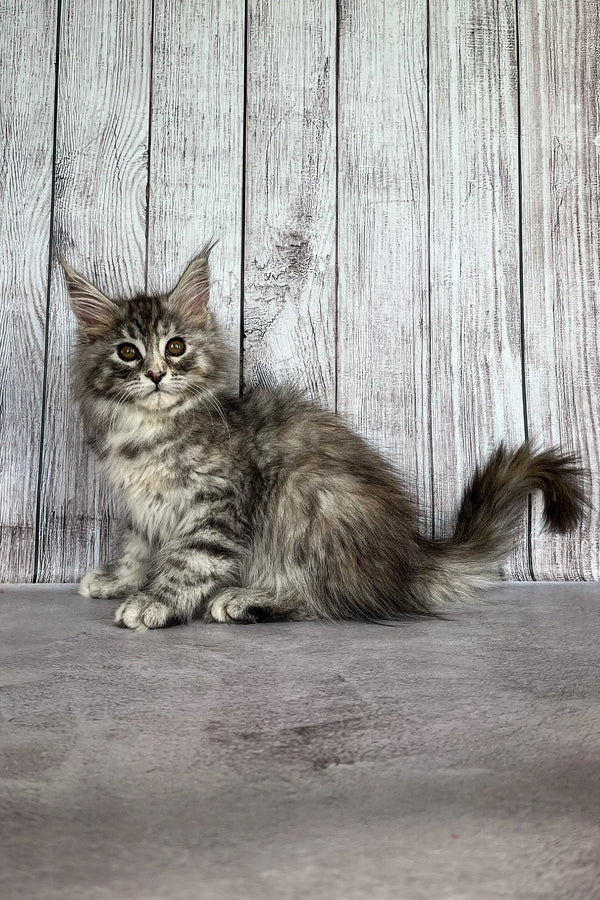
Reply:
x=560 y=99
x=383 y=320
x=289 y=270
x=476 y=367
x=100 y=228
x=27 y=85
x=384 y=329
x=196 y=153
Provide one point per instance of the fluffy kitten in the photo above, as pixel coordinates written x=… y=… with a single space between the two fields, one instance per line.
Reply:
x=266 y=506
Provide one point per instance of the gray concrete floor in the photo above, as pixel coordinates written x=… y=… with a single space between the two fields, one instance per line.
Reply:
x=441 y=759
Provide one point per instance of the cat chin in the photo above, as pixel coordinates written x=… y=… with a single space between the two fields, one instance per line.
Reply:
x=158 y=400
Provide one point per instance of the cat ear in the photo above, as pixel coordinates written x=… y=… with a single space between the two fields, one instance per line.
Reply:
x=192 y=292
x=95 y=313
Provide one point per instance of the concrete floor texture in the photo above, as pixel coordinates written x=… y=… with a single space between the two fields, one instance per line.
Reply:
x=456 y=758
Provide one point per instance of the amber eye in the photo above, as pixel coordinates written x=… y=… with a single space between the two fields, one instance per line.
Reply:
x=175 y=347
x=128 y=352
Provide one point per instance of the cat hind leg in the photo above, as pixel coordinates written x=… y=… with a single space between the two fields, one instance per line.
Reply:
x=249 y=605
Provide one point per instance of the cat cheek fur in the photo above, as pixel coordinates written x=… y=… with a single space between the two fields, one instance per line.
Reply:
x=244 y=509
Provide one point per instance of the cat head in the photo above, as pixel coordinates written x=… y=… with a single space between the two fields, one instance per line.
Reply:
x=155 y=353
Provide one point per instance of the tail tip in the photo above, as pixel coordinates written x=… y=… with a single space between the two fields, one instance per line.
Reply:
x=566 y=502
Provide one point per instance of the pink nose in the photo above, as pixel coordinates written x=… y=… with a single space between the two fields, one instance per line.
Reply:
x=155 y=376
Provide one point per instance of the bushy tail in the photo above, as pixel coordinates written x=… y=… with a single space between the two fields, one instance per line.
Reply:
x=490 y=518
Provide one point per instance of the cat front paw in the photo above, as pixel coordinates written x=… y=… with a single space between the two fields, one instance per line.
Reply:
x=99 y=585
x=141 y=611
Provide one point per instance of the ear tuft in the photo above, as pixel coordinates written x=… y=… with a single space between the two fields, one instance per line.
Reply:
x=192 y=292
x=95 y=313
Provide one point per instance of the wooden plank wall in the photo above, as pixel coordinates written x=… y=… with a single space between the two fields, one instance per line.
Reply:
x=99 y=225
x=407 y=200
x=560 y=109
x=27 y=61
x=290 y=196
x=476 y=392
x=383 y=316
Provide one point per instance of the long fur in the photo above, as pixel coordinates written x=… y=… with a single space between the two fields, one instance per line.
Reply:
x=267 y=506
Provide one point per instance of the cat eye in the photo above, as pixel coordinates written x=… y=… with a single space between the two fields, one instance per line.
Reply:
x=175 y=347
x=128 y=352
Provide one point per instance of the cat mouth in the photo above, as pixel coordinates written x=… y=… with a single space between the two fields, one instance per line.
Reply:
x=156 y=390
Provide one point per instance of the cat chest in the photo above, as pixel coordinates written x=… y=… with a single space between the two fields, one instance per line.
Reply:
x=152 y=492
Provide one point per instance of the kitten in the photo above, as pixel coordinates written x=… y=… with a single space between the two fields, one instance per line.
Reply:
x=266 y=506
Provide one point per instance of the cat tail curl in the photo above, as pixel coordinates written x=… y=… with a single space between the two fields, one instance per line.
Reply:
x=490 y=519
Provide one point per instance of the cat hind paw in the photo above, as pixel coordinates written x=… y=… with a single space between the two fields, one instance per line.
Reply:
x=243 y=607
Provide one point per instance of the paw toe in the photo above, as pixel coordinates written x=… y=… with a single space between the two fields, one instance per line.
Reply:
x=218 y=611
x=129 y=614
x=157 y=615
x=142 y=613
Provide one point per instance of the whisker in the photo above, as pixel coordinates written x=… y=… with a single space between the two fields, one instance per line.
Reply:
x=212 y=403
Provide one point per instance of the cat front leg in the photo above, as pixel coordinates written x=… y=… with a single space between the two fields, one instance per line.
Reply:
x=125 y=574
x=185 y=575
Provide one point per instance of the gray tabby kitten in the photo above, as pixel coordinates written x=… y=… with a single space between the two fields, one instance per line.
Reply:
x=244 y=509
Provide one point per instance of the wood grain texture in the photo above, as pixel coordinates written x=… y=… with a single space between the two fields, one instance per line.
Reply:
x=408 y=315
x=560 y=98
x=196 y=153
x=383 y=320
x=476 y=377
x=27 y=56
x=100 y=228
x=289 y=269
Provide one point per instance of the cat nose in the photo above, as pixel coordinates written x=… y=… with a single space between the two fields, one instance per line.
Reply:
x=155 y=376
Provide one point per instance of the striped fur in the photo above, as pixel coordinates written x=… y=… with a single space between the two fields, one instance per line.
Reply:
x=267 y=506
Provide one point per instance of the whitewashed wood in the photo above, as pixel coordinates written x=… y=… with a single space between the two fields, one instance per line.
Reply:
x=27 y=50
x=384 y=331
x=289 y=271
x=476 y=378
x=100 y=228
x=383 y=320
x=560 y=100
x=196 y=153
